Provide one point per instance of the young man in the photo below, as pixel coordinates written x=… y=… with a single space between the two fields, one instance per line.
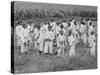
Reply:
x=45 y=26
x=24 y=35
x=48 y=40
x=18 y=34
x=61 y=45
x=90 y=27
x=72 y=24
x=27 y=35
x=64 y=23
x=71 y=41
x=83 y=30
x=92 y=43
x=57 y=29
x=53 y=24
x=76 y=32
x=36 y=35
x=62 y=28
x=41 y=39
x=70 y=27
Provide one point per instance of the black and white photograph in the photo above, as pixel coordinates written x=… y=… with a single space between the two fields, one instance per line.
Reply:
x=50 y=37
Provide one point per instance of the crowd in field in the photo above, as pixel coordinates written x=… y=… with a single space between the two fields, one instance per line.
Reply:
x=60 y=34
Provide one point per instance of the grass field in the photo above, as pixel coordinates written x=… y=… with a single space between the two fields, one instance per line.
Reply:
x=26 y=63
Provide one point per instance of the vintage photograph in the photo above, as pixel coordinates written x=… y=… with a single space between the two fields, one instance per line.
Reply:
x=48 y=37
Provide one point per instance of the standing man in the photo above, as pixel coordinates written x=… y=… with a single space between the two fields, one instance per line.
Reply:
x=57 y=29
x=48 y=39
x=61 y=46
x=90 y=27
x=83 y=30
x=71 y=41
x=76 y=32
x=23 y=38
x=92 y=43
x=53 y=24
x=36 y=35
x=18 y=35
x=41 y=39
x=64 y=23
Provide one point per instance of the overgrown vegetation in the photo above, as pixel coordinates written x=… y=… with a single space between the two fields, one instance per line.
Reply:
x=30 y=13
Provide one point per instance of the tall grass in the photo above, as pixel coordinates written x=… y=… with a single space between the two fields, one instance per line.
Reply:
x=21 y=14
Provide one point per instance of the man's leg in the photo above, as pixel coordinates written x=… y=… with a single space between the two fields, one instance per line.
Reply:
x=35 y=44
x=22 y=47
x=92 y=49
x=72 y=51
x=51 y=47
x=41 y=46
x=59 y=52
x=46 y=47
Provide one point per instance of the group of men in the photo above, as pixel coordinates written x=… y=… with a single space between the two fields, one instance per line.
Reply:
x=58 y=33
x=23 y=32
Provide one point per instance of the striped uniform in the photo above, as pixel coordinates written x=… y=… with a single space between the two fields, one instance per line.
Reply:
x=92 y=43
x=83 y=33
x=36 y=36
x=71 y=41
x=61 y=45
x=48 y=39
x=41 y=39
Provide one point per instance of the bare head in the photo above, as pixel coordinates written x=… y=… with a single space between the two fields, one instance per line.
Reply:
x=92 y=33
x=90 y=23
x=57 y=23
x=24 y=25
x=61 y=32
x=75 y=23
x=82 y=22
x=61 y=26
x=38 y=27
x=73 y=19
x=19 y=23
x=69 y=33
x=69 y=24
x=49 y=27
